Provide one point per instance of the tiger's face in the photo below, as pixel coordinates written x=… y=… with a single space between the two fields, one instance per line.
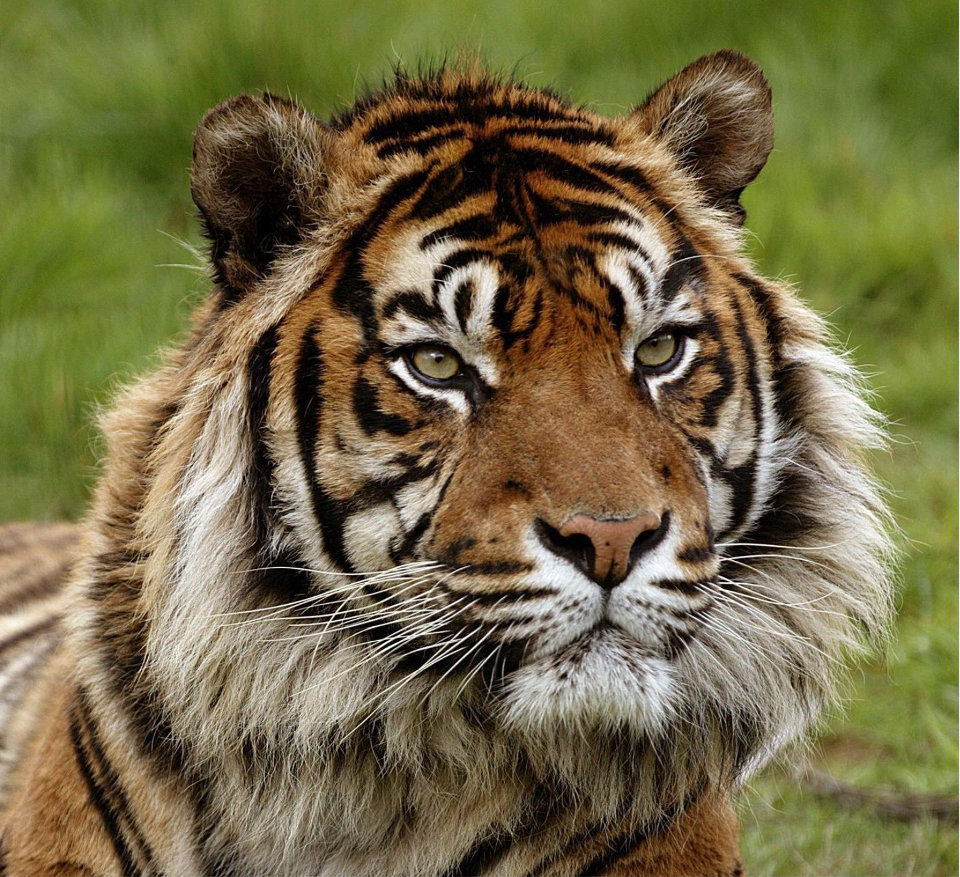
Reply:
x=523 y=371
x=489 y=399
x=523 y=407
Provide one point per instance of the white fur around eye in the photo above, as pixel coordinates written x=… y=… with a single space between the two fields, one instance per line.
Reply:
x=455 y=397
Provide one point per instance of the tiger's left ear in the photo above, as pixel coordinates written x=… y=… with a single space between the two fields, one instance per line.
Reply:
x=717 y=117
x=257 y=178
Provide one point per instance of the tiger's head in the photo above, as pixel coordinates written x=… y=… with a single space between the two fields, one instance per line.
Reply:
x=490 y=420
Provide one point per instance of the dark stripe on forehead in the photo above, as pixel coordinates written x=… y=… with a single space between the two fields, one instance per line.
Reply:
x=353 y=293
x=413 y=302
x=470 y=110
x=686 y=268
x=634 y=178
x=564 y=171
x=562 y=132
x=505 y=309
x=473 y=228
x=582 y=134
x=463 y=304
x=553 y=211
x=421 y=145
x=458 y=260
x=450 y=188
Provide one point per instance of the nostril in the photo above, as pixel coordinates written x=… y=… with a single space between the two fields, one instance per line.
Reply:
x=649 y=539
x=577 y=548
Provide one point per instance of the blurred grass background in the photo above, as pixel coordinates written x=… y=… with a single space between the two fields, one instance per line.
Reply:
x=857 y=205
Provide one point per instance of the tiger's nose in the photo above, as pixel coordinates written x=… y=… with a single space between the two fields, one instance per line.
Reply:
x=605 y=549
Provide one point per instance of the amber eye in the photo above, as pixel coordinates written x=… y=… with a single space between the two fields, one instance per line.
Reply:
x=658 y=350
x=435 y=363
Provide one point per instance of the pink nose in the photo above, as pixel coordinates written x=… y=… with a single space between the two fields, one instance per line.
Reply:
x=613 y=543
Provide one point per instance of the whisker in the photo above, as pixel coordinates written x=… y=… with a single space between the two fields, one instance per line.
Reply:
x=354 y=589
x=392 y=644
x=783 y=547
x=746 y=591
x=394 y=573
x=795 y=557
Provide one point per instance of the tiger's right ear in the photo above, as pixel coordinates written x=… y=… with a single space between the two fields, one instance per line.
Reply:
x=257 y=177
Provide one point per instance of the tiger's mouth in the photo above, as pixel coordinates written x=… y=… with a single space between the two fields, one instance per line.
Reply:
x=624 y=633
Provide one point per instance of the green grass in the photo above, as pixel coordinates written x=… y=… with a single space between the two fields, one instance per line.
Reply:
x=857 y=205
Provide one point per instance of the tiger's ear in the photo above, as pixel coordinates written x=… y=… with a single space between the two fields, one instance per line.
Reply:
x=257 y=177
x=717 y=117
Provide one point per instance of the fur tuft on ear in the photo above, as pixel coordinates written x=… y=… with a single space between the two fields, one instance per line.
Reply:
x=716 y=116
x=257 y=176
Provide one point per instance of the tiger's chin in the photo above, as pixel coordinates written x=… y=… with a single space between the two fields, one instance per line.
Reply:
x=605 y=681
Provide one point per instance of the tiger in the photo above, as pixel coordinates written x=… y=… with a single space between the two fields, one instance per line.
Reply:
x=494 y=516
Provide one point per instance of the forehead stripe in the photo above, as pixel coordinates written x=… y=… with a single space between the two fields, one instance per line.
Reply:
x=410 y=123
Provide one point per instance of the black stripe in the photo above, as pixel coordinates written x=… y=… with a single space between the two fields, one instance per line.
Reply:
x=353 y=293
x=481 y=857
x=635 y=179
x=111 y=785
x=454 y=185
x=564 y=171
x=742 y=480
x=690 y=588
x=328 y=512
x=696 y=554
x=626 y=843
x=421 y=145
x=554 y=211
x=465 y=109
x=259 y=368
x=401 y=552
x=413 y=302
x=686 y=268
x=711 y=404
x=500 y=567
x=640 y=282
x=458 y=260
x=463 y=304
x=288 y=583
x=576 y=134
x=108 y=816
x=473 y=228
x=506 y=307
x=374 y=492
x=489 y=598
x=371 y=417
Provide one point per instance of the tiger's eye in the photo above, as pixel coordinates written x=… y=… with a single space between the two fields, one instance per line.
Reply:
x=657 y=350
x=436 y=363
